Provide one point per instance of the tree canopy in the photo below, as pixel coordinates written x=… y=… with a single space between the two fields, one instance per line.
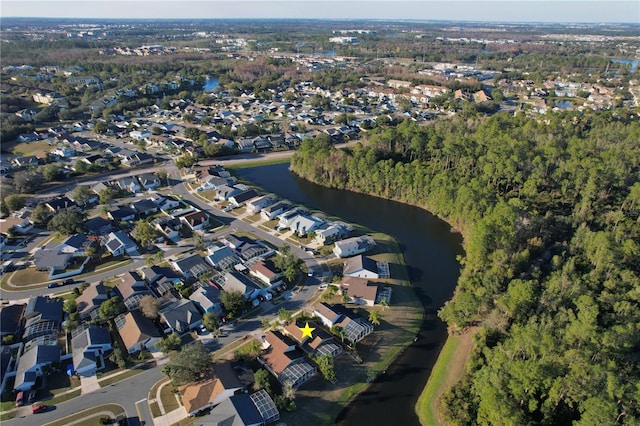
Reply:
x=189 y=364
x=67 y=221
x=549 y=211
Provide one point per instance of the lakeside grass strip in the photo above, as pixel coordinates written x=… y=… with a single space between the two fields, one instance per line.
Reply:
x=447 y=370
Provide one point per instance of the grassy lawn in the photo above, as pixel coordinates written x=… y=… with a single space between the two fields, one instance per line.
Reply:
x=64 y=397
x=29 y=276
x=447 y=370
x=91 y=416
x=153 y=405
x=30 y=148
x=189 y=421
x=168 y=399
x=209 y=195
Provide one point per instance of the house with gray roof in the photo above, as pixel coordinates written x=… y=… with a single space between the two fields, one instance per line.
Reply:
x=361 y=266
x=181 y=317
x=191 y=266
x=207 y=298
x=52 y=260
x=354 y=327
x=98 y=226
x=222 y=257
x=234 y=281
x=88 y=346
x=32 y=363
x=88 y=303
x=10 y=317
x=238 y=199
x=75 y=244
x=43 y=316
x=241 y=410
x=118 y=243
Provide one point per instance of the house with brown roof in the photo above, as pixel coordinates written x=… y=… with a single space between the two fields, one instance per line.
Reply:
x=137 y=332
x=281 y=358
x=132 y=288
x=88 y=303
x=266 y=272
x=320 y=344
x=219 y=385
x=360 y=290
x=355 y=328
x=196 y=221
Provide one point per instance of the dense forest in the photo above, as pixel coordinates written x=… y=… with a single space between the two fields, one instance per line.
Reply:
x=549 y=208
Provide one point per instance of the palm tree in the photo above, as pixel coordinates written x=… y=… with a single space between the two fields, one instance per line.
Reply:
x=384 y=303
x=374 y=317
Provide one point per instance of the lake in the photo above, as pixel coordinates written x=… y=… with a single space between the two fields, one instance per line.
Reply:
x=633 y=62
x=210 y=84
x=429 y=248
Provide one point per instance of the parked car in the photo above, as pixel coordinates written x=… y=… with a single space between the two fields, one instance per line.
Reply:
x=19 y=399
x=53 y=285
x=68 y=281
x=38 y=408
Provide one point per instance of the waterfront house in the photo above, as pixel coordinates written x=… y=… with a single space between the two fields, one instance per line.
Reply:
x=281 y=358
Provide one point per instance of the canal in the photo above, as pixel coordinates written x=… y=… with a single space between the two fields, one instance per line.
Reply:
x=429 y=248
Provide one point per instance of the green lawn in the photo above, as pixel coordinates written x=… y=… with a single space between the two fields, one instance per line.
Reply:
x=91 y=416
x=447 y=370
x=118 y=377
x=168 y=398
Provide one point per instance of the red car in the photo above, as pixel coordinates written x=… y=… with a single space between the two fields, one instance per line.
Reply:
x=37 y=408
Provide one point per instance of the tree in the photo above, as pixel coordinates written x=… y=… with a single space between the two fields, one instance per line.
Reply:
x=14 y=202
x=70 y=306
x=288 y=263
x=40 y=215
x=233 y=302
x=100 y=128
x=326 y=367
x=285 y=315
x=120 y=357
x=192 y=133
x=144 y=232
x=51 y=172
x=67 y=221
x=81 y=194
x=192 y=362
x=111 y=308
x=374 y=317
x=107 y=194
x=155 y=130
x=210 y=322
x=263 y=379
x=169 y=343
x=149 y=306
x=80 y=167
x=28 y=181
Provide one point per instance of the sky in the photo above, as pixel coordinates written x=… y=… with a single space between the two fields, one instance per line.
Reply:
x=569 y=11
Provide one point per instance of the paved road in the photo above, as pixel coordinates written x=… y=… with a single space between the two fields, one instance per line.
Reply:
x=125 y=393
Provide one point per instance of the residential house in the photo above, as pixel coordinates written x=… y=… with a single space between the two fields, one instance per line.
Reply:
x=334 y=232
x=221 y=384
x=89 y=346
x=238 y=199
x=257 y=409
x=169 y=226
x=52 y=260
x=257 y=204
x=58 y=204
x=137 y=332
x=354 y=327
x=191 y=266
x=207 y=299
x=165 y=202
x=197 y=220
x=10 y=318
x=266 y=272
x=214 y=182
x=32 y=363
x=224 y=192
x=181 y=317
x=222 y=257
x=63 y=151
x=361 y=266
x=321 y=343
x=88 y=303
x=76 y=245
x=131 y=289
x=360 y=290
x=118 y=243
x=149 y=181
x=122 y=214
x=132 y=159
x=20 y=225
x=129 y=183
x=235 y=281
x=353 y=246
x=281 y=358
x=98 y=226
x=251 y=250
x=26 y=161
x=144 y=207
x=43 y=316
x=286 y=219
x=28 y=137
x=303 y=224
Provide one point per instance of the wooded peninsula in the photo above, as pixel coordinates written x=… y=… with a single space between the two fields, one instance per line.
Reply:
x=549 y=208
